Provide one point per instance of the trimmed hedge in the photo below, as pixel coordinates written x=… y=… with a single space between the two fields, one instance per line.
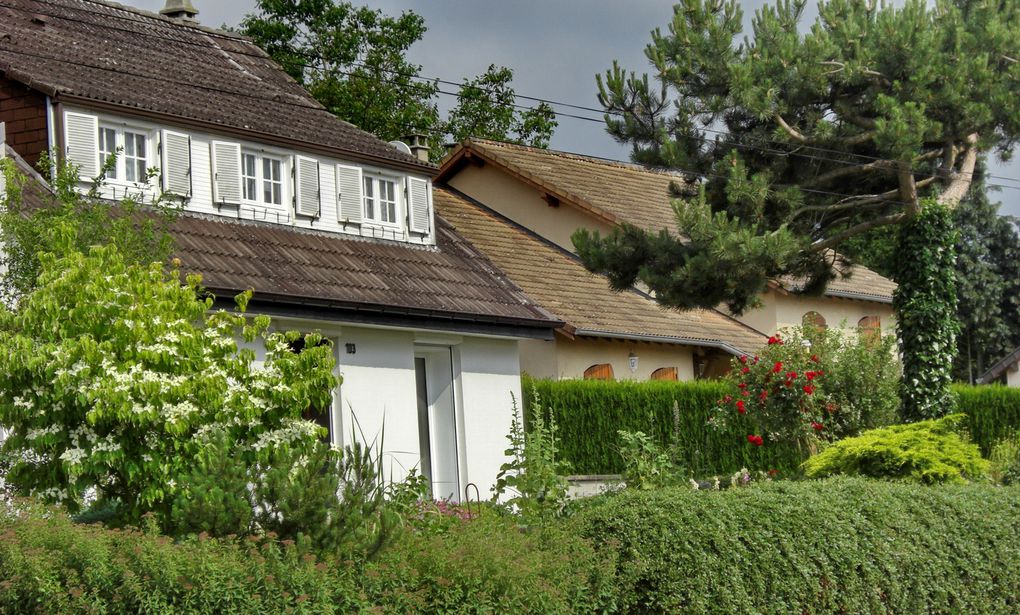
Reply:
x=590 y=412
x=847 y=545
x=50 y=565
x=993 y=413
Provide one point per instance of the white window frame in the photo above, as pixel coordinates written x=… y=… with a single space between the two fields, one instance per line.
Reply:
x=260 y=180
x=375 y=215
x=121 y=131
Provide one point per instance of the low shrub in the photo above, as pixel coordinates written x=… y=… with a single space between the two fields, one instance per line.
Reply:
x=930 y=451
x=843 y=545
x=993 y=412
x=1004 y=461
x=590 y=413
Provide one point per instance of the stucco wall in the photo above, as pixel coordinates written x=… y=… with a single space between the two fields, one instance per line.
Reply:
x=1013 y=376
x=575 y=356
x=780 y=311
x=524 y=204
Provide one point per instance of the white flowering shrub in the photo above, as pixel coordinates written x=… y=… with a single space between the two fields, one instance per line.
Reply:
x=113 y=377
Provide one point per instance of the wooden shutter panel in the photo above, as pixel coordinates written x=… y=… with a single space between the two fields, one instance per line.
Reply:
x=599 y=371
x=176 y=154
x=349 y=189
x=226 y=167
x=81 y=136
x=665 y=373
x=418 y=204
x=306 y=186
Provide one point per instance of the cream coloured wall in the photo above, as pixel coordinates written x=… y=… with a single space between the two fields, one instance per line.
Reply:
x=538 y=358
x=779 y=311
x=1013 y=376
x=575 y=356
x=524 y=204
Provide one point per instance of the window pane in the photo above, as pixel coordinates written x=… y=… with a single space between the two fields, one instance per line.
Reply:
x=135 y=162
x=248 y=174
x=272 y=186
x=369 y=201
x=277 y=194
x=107 y=148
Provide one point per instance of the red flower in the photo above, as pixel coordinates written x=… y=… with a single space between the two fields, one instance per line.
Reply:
x=755 y=359
x=791 y=375
x=778 y=367
x=744 y=393
x=775 y=340
x=773 y=472
x=743 y=358
x=818 y=426
x=745 y=370
x=740 y=407
x=809 y=389
x=815 y=358
x=788 y=383
x=742 y=385
x=810 y=375
x=755 y=440
x=727 y=399
x=764 y=394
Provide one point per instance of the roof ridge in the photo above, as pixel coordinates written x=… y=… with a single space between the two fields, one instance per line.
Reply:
x=163 y=18
x=609 y=162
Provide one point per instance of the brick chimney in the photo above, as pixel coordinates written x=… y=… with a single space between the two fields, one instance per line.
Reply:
x=181 y=10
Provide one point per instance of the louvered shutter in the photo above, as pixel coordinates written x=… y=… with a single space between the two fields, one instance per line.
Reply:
x=418 y=204
x=306 y=186
x=349 y=188
x=176 y=154
x=81 y=137
x=226 y=167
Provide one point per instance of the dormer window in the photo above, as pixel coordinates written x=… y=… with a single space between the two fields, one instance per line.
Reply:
x=380 y=199
x=262 y=178
x=131 y=147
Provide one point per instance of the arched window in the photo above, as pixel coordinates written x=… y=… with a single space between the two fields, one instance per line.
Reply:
x=664 y=373
x=814 y=319
x=870 y=327
x=600 y=371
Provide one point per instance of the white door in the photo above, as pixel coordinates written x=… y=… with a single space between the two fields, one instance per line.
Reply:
x=437 y=420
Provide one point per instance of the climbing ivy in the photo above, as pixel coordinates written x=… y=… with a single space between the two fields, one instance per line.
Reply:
x=925 y=303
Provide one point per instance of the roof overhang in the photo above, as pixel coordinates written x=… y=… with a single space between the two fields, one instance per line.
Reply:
x=661 y=339
x=1008 y=363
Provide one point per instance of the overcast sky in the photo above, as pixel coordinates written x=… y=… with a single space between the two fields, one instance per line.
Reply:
x=554 y=46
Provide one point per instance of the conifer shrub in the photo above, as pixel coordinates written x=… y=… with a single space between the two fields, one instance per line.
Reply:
x=840 y=545
x=932 y=451
x=993 y=412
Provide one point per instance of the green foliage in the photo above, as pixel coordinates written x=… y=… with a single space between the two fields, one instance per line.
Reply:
x=925 y=304
x=645 y=464
x=114 y=377
x=352 y=60
x=486 y=109
x=49 y=565
x=73 y=220
x=802 y=135
x=833 y=546
x=928 y=452
x=590 y=413
x=1004 y=461
x=534 y=475
x=993 y=413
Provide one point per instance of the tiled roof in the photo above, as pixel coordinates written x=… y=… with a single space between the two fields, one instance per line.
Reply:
x=996 y=371
x=110 y=54
x=561 y=285
x=627 y=193
x=452 y=281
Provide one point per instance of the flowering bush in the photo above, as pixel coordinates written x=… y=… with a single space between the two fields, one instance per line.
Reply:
x=113 y=377
x=777 y=395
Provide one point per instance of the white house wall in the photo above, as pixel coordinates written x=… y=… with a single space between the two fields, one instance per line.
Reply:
x=201 y=200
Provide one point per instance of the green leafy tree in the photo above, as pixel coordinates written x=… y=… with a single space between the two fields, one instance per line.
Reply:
x=352 y=60
x=486 y=108
x=137 y=227
x=115 y=376
x=822 y=136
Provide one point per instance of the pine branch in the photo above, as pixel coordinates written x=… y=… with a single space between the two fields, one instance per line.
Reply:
x=853 y=231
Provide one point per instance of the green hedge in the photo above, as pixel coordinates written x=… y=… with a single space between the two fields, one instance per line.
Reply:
x=589 y=413
x=846 y=545
x=993 y=412
x=50 y=565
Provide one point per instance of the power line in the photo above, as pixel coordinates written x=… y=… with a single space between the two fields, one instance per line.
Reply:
x=265 y=58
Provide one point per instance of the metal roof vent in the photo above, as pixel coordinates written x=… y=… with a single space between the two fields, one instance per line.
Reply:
x=180 y=9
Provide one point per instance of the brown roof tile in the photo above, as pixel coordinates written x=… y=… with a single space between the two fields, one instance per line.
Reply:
x=112 y=54
x=560 y=284
x=627 y=193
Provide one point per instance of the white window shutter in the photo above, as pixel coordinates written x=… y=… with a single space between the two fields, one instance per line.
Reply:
x=349 y=187
x=176 y=155
x=418 y=204
x=306 y=186
x=81 y=136
x=226 y=167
